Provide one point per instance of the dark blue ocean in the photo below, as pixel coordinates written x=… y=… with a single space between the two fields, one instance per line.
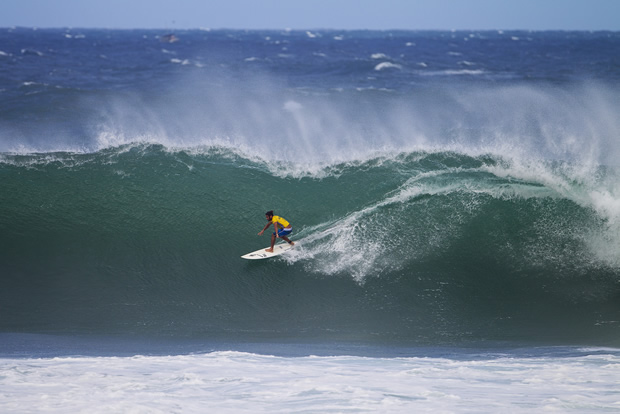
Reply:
x=455 y=200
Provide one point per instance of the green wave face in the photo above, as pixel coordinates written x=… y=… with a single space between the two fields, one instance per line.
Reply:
x=424 y=247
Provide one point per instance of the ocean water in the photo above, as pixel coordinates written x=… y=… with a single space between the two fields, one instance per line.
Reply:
x=455 y=199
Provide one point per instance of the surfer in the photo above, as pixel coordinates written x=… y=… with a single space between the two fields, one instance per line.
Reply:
x=281 y=233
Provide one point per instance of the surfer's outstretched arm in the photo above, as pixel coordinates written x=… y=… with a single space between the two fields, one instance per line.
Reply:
x=260 y=233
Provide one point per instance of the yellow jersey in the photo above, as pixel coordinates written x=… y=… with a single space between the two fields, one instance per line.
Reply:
x=276 y=219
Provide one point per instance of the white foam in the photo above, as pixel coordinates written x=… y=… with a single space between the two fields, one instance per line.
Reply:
x=451 y=72
x=181 y=61
x=31 y=52
x=233 y=382
x=379 y=56
x=387 y=65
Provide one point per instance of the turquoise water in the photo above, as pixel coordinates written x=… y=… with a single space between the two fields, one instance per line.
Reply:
x=417 y=248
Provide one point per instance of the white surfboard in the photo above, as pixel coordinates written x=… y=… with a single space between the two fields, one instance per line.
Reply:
x=262 y=254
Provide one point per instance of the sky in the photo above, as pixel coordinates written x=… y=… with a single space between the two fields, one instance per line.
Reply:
x=315 y=14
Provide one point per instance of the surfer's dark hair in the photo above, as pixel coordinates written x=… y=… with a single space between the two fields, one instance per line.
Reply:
x=269 y=213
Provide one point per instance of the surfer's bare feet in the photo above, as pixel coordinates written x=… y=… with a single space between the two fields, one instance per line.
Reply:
x=292 y=243
x=269 y=250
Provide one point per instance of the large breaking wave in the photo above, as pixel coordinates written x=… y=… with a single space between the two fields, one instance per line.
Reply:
x=435 y=215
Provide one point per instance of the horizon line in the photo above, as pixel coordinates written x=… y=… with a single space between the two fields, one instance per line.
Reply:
x=288 y=29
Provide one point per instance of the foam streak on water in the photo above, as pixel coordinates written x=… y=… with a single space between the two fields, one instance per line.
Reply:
x=233 y=382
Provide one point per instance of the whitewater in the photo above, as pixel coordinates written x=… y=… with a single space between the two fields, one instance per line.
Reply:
x=236 y=382
x=455 y=198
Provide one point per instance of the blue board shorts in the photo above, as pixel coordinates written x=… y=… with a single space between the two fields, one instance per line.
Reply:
x=284 y=232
